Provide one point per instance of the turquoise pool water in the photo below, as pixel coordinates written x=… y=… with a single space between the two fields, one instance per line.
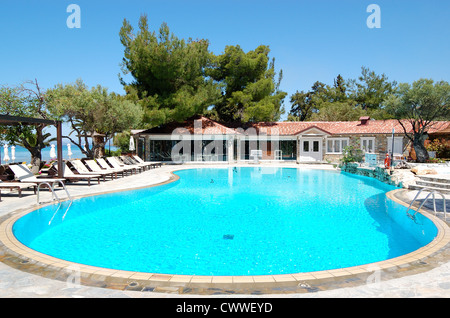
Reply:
x=232 y=221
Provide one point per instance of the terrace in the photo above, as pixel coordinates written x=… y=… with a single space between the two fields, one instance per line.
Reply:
x=28 y=276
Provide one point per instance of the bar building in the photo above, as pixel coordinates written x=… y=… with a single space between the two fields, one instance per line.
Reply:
x=199 y=139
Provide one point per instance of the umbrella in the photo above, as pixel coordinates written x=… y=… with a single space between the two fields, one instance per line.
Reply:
x=13 y=153
x=69 y=151
x=53 y=152
x=6 y=157
x=132 y=147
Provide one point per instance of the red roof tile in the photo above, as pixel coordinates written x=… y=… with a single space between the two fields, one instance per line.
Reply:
x=348 y=127
x=197 y=125
x=210 y=127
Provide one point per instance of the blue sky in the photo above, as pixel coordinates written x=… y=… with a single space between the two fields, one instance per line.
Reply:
x=310 y=40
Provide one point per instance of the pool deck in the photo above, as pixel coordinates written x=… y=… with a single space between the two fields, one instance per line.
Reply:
x=25 y=273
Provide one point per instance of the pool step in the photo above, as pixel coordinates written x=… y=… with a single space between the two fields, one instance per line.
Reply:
x=419 y=187
x=435 y=178
x=436 y=183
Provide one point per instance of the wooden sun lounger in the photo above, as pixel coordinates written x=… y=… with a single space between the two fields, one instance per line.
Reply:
x=23 y=174
x=118 y=164
x=145 y=165
x=128 y=162
x=82 y=169
x=70 y=176
x=153 y=164
x=96 y=168
x=102 y=163
x=17 y=186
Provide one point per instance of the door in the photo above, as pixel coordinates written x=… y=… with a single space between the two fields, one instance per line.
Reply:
x=310 y=149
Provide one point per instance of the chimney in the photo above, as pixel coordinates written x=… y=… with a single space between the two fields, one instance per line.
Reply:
x=364 y=120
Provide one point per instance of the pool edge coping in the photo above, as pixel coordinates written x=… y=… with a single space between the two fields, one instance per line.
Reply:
x=121 y=277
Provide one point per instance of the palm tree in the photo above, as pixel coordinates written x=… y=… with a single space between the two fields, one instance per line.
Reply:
x=34 y=143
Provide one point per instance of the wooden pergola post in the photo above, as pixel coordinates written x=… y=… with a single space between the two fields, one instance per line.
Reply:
x=59 y=145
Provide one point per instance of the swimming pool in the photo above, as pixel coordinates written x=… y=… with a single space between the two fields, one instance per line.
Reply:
x=232 y=221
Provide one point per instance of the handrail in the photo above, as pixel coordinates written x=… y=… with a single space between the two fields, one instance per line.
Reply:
x=433 y=193
x=54 y=195
x=65 y=189
x=68 y=195
x=67 y=210
x=51 y=189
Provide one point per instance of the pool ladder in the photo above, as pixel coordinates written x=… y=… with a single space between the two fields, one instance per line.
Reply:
x=432 y=193
x=55 y=197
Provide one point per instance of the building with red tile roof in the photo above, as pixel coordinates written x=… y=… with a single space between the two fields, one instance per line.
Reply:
x=202 y=139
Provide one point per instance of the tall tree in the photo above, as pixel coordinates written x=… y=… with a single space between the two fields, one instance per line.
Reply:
x=305 y=104
x=338 y=111
x=340 y=88
x=420 y=104
x=168 y=73
x=344 y=100
x=26 y=100
x=250 y=92
x=334 y=103
x=94 y=115
x=370 y=89
x=301 y=106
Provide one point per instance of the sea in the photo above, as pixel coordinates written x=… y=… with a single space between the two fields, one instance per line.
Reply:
x=23 y=155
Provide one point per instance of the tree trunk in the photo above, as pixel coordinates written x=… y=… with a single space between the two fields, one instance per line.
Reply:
x=99 y=146
x=36 y=161
x=419 y=147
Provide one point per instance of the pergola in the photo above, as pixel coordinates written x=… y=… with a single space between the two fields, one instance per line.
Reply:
x=8 y=120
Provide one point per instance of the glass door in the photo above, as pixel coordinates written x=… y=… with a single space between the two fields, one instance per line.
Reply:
x=311 y=149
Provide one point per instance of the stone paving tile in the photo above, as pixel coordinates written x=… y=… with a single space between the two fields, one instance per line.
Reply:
x=423 y=280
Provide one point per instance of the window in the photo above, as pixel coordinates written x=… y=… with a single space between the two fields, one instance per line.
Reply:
x=315 y=146
x=306 y=146
x=368 y=144
x=288 y=149
x=336 y=145
x=398 y=145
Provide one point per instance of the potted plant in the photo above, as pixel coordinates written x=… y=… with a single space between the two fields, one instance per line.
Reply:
x=434 y=148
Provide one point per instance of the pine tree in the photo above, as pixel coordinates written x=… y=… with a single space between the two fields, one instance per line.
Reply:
x=168 y=73
x=250 y=92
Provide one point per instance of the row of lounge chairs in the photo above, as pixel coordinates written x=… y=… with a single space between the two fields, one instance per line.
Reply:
x=98 y=169
x=25 y=179
x=77 y=170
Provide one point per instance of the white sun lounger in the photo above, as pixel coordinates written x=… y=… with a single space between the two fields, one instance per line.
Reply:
x=81 y=169
x=19 y=186
x=128 y=162
x=152 y=164
x=96 y=168
x=71 y=176
x=23 y=174
x=116 y=163
x=133 y=160
x=102 y=163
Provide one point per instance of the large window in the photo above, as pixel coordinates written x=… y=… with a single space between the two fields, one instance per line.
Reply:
x=288 y=149
x=160 y=150
x=206 y=150
x=141 y=148
x=336 y=145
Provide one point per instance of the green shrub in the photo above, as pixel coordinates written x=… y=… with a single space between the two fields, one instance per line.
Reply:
x=352 y=154
x=113 y=153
